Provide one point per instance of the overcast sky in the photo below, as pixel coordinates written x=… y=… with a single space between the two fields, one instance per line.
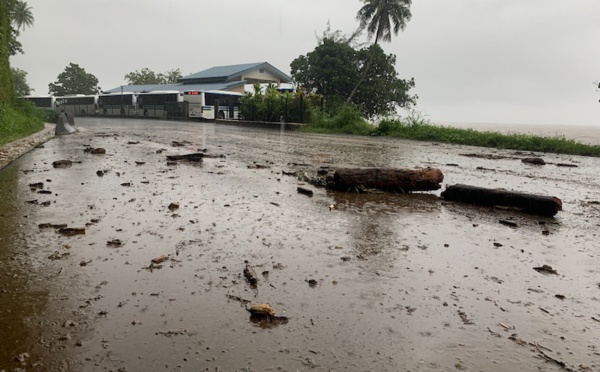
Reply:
x=489 y=61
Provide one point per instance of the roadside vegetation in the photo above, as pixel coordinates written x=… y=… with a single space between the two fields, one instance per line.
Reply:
x=19 y=120
x=347 y=120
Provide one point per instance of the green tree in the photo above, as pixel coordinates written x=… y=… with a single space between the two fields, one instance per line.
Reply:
x=20 y=82
x=147 y=76
x=381 y=18
x=333 y=67
x=7 y=92
x=74 y=80
x=21 y=15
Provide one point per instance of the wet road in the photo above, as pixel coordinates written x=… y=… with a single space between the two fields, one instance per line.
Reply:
x=375 y=282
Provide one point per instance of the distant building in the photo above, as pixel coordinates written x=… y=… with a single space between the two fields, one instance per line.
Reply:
x=230 y=78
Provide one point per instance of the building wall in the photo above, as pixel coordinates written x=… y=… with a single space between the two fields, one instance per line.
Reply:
x=262 y=77
x=238 y=89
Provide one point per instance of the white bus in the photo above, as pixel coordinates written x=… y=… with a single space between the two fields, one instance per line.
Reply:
x=77 y=105
x=117 y=104
x=161 y=104
x=45 y=103
x=202 y=104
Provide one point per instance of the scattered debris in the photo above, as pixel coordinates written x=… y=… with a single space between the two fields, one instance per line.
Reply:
x=250 y=274
x=52 y=226
x=114 y=243
x=159 y=259
x=96 y=151
x=173 y=206
x=238 y=298
x=302 y=190
x=194 y=157
x=312 y=283
x=545 y=269
x=62 y=163
x=71 y=231
x=534 y=161
x=508 y=223
x=261 y=310
x=566 y=165
x=464 y=317
x=172 y=333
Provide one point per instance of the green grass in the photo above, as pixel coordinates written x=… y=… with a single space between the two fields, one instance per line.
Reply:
x=348 y=119
x=20 y=120
x=422 y=130
x=345 y=119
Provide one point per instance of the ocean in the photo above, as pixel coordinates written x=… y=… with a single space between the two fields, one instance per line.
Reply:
x=584 y=134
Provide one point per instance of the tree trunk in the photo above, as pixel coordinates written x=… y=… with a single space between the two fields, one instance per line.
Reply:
x=365 y=70
x=528 y=203
x=388 y=179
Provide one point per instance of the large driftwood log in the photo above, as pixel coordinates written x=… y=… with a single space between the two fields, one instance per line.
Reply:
x=528 y=203
x=388 y=179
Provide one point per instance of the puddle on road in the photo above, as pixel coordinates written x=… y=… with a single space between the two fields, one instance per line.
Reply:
x=357 y=282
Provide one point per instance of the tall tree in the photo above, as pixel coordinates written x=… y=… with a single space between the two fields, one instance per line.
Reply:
x=7 y=92
x=147 y=76
x=74 y=80
x=381 y=18
x=21 y=15
x=20 y=82
x=332 y=68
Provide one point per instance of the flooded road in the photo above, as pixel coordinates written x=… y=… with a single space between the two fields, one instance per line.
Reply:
x=369 y=282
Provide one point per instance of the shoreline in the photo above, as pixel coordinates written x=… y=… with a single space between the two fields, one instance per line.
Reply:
x=11 y=151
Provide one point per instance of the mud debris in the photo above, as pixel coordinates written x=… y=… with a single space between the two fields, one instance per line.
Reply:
x=62 y=163
x=545 y=269
x=72 y=231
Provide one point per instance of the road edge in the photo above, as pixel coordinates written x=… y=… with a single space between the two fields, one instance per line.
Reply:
x=11 y=151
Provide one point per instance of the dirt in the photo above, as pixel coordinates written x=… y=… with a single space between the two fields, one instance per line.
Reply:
x=357 y=282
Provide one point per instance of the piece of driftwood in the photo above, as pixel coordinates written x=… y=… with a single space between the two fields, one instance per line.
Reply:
x=387 y=179
x=528 y=203
x=196 y=157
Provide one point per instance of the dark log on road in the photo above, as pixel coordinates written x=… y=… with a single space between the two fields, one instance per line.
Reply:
x=388 y=179
x=195 y=157
x=528 y=203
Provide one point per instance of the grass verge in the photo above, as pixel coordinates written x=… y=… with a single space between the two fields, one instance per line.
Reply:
x=19 y=120
x=343 y=119
x=348 y=119
x=422 y=130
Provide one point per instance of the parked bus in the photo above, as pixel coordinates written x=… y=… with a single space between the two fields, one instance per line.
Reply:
x=202 y=104
x=45 y=103
x=162 y=105
x=77 y=105
x=117 y=104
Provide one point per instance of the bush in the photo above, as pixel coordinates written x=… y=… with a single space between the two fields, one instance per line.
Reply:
x=339 y=118
x=273 y=106
x=20 y=120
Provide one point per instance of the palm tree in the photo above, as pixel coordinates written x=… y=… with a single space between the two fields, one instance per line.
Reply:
x=21 y=15
x=381 y=18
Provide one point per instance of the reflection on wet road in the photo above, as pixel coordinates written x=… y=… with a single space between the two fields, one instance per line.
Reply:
x=370 y=282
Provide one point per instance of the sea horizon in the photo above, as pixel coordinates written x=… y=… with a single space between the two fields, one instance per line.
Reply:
x=588 y=134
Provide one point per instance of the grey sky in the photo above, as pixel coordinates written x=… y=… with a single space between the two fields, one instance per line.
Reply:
x=493 y=61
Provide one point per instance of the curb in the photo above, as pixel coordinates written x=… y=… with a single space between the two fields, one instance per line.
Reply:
x=11 y=151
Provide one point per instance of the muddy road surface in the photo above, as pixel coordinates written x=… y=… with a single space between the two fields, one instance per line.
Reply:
x=124 y=261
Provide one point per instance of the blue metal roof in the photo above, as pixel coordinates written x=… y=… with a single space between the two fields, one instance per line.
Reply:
x=177 y=86
x=232 y=71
